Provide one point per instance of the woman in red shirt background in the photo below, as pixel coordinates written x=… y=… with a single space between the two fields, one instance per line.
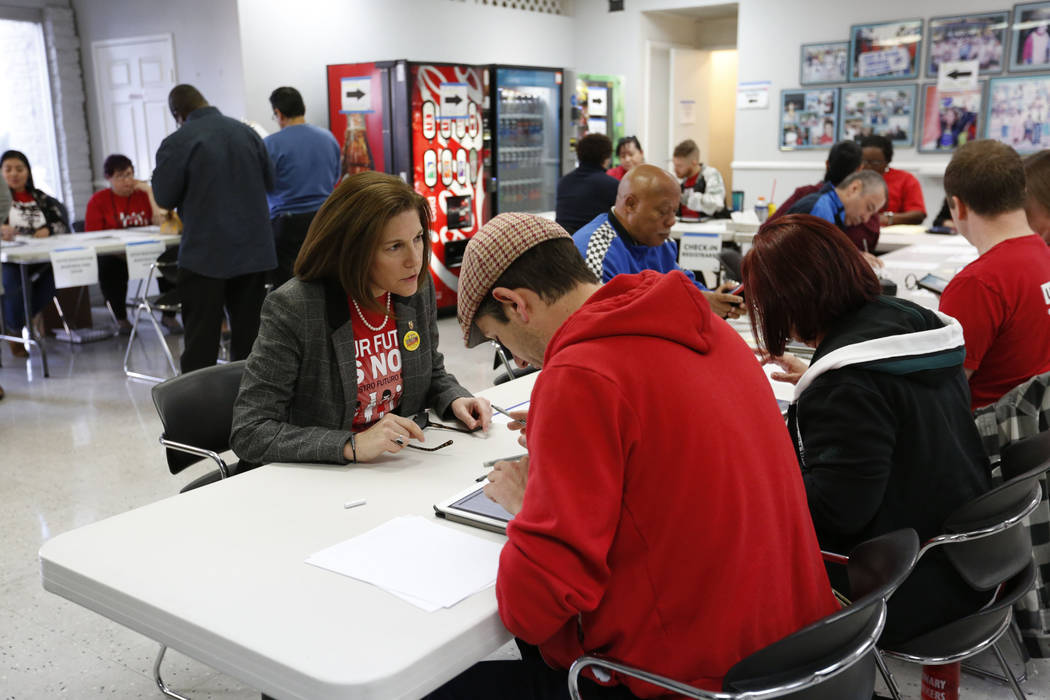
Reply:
x=125 y=203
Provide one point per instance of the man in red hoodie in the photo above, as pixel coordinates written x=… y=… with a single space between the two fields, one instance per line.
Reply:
x=672 y=543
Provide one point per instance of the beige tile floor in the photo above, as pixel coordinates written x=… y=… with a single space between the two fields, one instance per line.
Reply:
x=81 y=446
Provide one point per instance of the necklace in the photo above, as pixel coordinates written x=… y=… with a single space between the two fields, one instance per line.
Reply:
x=364 y=320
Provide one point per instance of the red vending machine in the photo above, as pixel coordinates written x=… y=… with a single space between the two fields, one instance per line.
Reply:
x=424 y=123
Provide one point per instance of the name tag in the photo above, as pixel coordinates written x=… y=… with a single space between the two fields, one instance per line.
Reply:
x=74 y=267
x=140 y=255
x=699 y=251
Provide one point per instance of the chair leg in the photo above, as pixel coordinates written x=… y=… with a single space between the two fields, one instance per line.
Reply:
x=1014 y=686
x=887 y=677
x=161 y=685
x=1022 y=653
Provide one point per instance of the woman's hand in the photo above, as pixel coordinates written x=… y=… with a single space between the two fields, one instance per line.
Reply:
x=793 y=367
x=42 y=232
x=7 y=232
x=507 y=484
x=390 y=434
x=473 y=411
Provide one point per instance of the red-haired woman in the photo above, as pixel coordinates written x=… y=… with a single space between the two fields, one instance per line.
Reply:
x=881 y=417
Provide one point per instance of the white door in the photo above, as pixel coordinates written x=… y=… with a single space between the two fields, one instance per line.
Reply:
x=133 y=77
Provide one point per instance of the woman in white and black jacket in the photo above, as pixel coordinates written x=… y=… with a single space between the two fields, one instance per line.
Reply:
x=880 y=418
x=33 y=213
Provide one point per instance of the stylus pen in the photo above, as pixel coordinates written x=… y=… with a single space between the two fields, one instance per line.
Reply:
x=497 y=409
x=481 y=478
x=512 y=458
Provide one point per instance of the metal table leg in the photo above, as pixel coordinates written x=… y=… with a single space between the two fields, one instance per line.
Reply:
x=28 y=332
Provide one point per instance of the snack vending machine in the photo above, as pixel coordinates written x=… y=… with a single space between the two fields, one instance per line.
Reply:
x=424 y=123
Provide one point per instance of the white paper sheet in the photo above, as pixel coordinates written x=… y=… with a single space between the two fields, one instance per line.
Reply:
x=74 y=267
x=419 y=561
x=140 y=256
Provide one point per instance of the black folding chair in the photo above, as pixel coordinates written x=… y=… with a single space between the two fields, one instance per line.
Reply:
x=831 y=659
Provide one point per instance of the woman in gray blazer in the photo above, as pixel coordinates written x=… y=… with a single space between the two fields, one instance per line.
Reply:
x=347 y=349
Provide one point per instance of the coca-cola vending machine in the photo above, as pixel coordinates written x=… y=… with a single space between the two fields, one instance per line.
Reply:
x=424 y=123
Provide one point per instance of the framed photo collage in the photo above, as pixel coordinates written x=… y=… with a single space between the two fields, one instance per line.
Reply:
x=851 y=89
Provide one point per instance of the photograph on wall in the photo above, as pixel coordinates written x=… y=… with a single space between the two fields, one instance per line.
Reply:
x=949 y=119
x=885 y=51
x=1017 y=112
x=808 y=118
x=884 y=111
x=980 y=38
x=1030 y=49
x=824 y=63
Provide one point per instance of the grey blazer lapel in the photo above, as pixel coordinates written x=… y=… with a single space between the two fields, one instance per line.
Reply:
x=412 y=361
x=346 y=359
x=341 y=327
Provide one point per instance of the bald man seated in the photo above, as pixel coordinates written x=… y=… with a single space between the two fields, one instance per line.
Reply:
x=636 y=235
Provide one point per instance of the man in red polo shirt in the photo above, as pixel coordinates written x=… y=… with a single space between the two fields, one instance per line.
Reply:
x=1002 y=299
x=904 y=202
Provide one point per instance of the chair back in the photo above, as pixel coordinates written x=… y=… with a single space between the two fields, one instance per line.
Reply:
x=983 y=540
x=963 y=637
x=1024 y=455
x=196 y=409
x=832 y=658
x=877 y=567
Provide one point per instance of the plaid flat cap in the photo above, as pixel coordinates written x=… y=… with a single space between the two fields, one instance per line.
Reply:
x=490 y=252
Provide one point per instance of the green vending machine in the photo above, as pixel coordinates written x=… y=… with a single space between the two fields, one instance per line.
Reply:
x=596 y=107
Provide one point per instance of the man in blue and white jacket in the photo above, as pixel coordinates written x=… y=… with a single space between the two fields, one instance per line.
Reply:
x=636 y=235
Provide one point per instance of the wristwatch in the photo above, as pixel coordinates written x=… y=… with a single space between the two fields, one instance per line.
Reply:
x=890 y=215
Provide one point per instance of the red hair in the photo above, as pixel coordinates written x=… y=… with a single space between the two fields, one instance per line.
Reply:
x=801 y=275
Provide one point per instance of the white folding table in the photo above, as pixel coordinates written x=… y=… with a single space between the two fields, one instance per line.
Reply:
x=218 y=573
x=26 y=251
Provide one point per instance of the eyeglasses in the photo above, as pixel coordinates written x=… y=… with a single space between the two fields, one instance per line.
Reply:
x=880 y=161
x=124 y=176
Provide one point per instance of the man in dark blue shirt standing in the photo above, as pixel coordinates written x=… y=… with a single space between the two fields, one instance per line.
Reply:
x=216 y=172
x=587 y=191
x=306 y=162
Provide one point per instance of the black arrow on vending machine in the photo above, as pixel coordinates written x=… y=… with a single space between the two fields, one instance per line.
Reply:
x=356 y=94
x=454 y=100
x=956 y=74
x=597 y=100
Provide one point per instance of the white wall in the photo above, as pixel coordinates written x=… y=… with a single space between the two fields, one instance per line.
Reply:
x=769 y=33
x=207 y=41
x=766 y=53
x=284 y=43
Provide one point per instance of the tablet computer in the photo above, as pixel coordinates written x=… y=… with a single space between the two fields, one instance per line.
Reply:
x=933 y=283
x=472 y=507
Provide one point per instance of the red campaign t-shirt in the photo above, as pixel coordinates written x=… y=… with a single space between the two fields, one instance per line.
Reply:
x=903 y=192
x=687 y=186
x=378 y=353
x=105 y=210
x=1002 y=300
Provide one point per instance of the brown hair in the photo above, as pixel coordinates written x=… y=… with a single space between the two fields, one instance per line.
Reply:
x=348 y=229
x=1037 y=180
x=687 y=149
x=987 y=176
x=552 y=269
x=801 y=275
